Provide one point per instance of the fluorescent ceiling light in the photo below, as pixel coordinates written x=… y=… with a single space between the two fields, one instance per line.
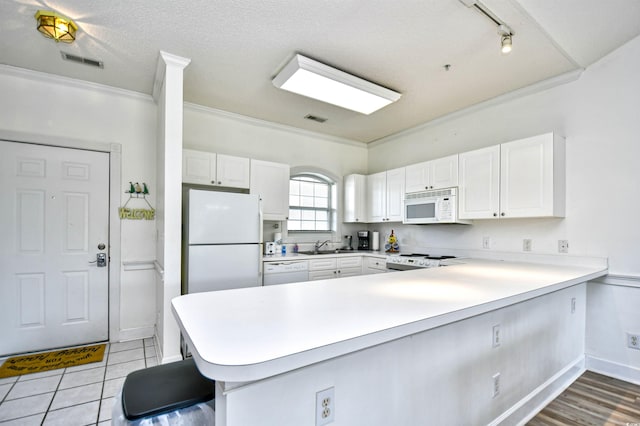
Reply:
x=316 y=80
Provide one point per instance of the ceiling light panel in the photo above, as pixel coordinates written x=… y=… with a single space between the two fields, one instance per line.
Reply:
x=316 y=80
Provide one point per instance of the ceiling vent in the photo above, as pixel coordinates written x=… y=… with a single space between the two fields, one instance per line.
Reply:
x=315 y=118
x=81 y=60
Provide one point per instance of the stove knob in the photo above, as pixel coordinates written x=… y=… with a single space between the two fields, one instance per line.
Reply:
x=421 y=263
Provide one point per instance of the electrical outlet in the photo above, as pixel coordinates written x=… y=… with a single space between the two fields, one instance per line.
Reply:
x=325 y=406
x=563 y=246
x=573 y=305
x=633 y=341
x=496 y=385
x=496 y=336
x=486 y=242
x=526 y=244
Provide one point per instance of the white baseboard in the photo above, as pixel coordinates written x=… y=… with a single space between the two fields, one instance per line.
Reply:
x=525 y=409
x=161 y=358
x=613 y=369
x=136 y=333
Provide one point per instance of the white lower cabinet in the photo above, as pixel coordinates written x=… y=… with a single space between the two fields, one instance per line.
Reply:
x=324 y=267
x=374 y=265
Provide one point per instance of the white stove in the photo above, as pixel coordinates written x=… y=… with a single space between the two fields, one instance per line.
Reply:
x=404 y=262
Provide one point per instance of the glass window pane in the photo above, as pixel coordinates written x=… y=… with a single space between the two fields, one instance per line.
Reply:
x=308 y=215
x=294 y=214
x=306 y=188
x=322 y=202
x=322 y=190
x=309 y=225
x=294 y=187
x=293 y=225
x=306 y=201
x=322 y=226
x=322 y=215
x=294 y=200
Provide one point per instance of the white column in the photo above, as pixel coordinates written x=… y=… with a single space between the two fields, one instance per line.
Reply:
x=168 y=93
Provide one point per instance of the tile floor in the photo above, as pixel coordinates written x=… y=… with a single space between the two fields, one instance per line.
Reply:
x=74 y=396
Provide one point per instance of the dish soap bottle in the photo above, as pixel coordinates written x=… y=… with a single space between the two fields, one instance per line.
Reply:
x=295 y=248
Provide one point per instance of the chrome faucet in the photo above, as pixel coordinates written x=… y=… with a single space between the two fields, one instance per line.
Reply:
x=317 y=245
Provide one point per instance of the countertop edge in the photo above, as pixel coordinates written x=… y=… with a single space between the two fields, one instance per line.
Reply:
x=269 y=368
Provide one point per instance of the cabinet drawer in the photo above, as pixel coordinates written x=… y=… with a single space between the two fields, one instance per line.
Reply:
x=376 y=263
x=323 y=275
x=349 y=262
x=349 y=272
x=322 y=263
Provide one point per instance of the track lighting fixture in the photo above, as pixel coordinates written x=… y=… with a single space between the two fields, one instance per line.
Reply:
x=505 y=38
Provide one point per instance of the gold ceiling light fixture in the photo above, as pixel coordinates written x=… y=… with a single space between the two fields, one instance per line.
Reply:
x=56 y=26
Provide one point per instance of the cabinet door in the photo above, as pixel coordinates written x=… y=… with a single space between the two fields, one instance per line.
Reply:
x=479 y=182
x=444 y=172
x=271 y=182
x=395 y=194
x=232 y=171
x=527 y=177
x=376 y=197
x=355 y=198
x=198 y=167
x=417 y=177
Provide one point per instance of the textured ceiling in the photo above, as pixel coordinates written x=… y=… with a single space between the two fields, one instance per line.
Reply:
x=236 y=47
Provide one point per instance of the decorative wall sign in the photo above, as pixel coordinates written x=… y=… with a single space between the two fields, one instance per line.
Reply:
x=137 y=192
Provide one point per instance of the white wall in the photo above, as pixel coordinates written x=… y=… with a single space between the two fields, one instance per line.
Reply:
x=55 y=109
x=599 y=114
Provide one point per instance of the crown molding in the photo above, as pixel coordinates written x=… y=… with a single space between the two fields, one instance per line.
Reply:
x=71 y=82
x=510 y=96
x=271 y=125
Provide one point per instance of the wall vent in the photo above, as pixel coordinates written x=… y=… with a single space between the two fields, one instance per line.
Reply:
x=81 y=60
x=315 y=118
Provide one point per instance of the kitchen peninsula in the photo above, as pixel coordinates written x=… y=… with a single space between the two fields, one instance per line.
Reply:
x=397 y=348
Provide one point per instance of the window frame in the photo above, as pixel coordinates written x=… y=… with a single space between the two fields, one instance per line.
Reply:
x=331 y=209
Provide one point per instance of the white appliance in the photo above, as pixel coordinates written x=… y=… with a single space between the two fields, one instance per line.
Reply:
x=223 y=246
x=434 y=206
x=286 y=272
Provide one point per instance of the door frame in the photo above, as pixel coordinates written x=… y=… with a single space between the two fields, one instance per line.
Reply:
x=115 y=164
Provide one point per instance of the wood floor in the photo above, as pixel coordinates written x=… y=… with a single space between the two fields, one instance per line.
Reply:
x=593 y=400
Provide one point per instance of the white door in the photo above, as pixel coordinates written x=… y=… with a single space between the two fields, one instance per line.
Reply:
x=54 y=213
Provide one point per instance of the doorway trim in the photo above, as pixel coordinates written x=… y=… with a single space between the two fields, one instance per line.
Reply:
x=115 y=164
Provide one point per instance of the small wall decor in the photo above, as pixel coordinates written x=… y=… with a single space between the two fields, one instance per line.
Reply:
x=136 y=191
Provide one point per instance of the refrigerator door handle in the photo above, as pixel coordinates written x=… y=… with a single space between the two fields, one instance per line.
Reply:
x=260 y=241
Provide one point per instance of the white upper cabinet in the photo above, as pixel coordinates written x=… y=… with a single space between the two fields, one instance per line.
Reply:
x=271 y=182
x=532 y=177
x=385 y=196
x=354 y=207
x=434 y=174
x=523 y=178
x=207 y=168
x=233 y=171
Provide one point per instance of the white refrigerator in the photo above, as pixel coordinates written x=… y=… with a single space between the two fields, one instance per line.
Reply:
x=223 y=241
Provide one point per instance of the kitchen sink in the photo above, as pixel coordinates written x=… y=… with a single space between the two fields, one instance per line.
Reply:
x=336 y=251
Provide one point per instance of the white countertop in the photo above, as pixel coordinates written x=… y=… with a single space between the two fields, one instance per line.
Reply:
x=249 y=334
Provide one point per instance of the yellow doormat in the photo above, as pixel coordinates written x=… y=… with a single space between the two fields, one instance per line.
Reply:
x=35 y=363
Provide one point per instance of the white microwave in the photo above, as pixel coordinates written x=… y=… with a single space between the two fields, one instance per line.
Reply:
x=434 y=206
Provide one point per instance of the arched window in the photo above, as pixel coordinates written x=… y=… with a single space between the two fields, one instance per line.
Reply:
x=311 y=199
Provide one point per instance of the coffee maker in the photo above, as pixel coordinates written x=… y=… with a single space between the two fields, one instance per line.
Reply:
x=364 y=240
